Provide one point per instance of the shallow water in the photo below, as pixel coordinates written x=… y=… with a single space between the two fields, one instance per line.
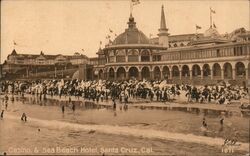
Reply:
x=172 y=125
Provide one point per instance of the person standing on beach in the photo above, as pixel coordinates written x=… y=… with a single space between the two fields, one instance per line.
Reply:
x=24 y=117
x=6 y=98
x=2 y=114
x=6 y=105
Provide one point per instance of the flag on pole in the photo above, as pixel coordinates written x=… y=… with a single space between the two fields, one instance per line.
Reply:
x=212 y=11
x=198 y=27
x=135 y=2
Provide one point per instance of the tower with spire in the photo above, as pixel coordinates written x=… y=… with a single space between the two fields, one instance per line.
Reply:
x=163 y=31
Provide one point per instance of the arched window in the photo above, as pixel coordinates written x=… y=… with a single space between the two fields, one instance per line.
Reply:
x=133 y=55
x=111 y=56
x=145 y=56
x=120 y=56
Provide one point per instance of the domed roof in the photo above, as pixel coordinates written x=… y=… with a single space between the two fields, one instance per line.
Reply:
x=211 y=32
x=131 y=35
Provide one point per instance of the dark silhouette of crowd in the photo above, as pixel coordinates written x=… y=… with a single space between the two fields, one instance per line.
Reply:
x=124 y=91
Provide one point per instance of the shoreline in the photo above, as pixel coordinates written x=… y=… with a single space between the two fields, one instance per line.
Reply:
x=146 y=104
x=158 y=144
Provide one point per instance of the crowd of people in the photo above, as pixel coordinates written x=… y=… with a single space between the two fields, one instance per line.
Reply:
x=127 y=90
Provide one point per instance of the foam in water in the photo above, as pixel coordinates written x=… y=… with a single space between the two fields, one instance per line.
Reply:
x=124 y=130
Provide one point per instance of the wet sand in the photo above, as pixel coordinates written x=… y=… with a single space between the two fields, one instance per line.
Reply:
x=100 y=139
x=32 y=141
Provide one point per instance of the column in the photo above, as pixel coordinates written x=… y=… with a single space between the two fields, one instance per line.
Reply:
x=92 y=75
x=139 y=58
x=161 y=75
x=27 y=71
x=115 y=76
x=180 y=73
x=139 y=76
x=104 y=75
x=151 y=75
x=247 y=73
x=222 y=74
x=170 y=75
x=55 y=71
x=233 y=74
x=191 y=74
x=126 y=58
x=212 y=74
x=201 y=74
x=127 y=75
x=107 y=75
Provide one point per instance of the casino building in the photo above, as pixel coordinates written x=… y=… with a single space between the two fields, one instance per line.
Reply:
x=189 y=58
x=203 y=58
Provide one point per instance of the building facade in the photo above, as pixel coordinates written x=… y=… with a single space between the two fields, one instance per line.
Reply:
x=190 y=58
x=41 y=66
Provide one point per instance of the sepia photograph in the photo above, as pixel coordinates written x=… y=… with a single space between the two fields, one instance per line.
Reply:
x=125 y=77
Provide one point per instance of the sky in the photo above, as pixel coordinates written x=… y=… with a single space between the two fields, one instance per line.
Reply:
x=66 y=27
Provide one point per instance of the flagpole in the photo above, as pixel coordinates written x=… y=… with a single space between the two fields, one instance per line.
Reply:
x=14 y=43
x=131 y=7
x=210 y=18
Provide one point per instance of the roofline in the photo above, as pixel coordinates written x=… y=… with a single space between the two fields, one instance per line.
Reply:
x=203 y=47
x=134 y=46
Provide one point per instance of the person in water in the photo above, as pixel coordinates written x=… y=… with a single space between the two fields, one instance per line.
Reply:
x=73 y=107
x=24 y=117
x=63 y=108
x=125 y=107
x=69 y=99
x=114 y=103
x=2 y=114
x=221 y=121
x=204 y=122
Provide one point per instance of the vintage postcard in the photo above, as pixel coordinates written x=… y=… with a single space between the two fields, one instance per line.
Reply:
x=125 y=77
